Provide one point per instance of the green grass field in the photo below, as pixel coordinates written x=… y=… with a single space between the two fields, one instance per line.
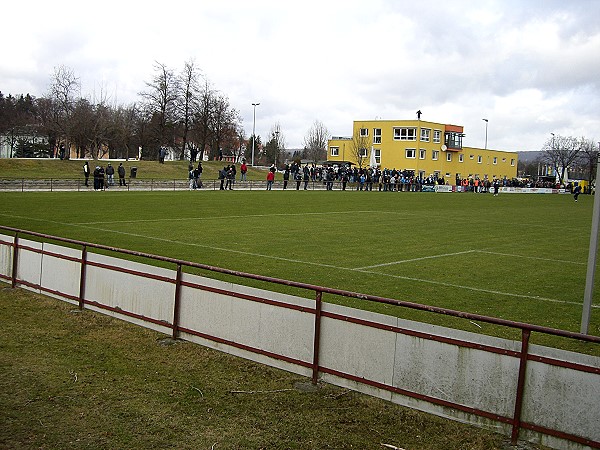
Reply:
x=518 y=257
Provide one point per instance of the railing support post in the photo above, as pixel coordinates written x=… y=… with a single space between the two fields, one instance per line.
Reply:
x=82 y=276
x=516 y=423
x=317 y=337
x=176 y=306
x=15 y=260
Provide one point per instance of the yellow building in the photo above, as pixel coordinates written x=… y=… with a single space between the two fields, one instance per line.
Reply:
x=427 y=148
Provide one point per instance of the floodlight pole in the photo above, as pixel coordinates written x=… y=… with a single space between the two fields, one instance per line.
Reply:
x=254 y=131
x=486 y=126
x=591 y=265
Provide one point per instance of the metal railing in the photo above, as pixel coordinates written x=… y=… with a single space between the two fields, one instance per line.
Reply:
x=522 y=355
x=156 y=184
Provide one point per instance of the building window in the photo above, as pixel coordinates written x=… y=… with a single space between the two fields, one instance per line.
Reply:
x=364 y=132
x=503 y=160
x=377 y=155
x=405 y=134
x=495 y=161
x=410 y=153
x=479 y=159
x=435 y=154
x=425 y=133
x=376 y=135
x=471 y=156
x=437 y=136
x=335 y=151
x=461 y=157
x=363 y=153
x=448 y=156
x=422 y=153
x=453 y=140
x=512 y=162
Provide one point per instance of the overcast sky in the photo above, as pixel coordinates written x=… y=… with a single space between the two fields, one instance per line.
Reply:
x=531 y=67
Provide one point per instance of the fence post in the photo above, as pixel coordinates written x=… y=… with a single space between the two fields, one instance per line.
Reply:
x=516 y=423
x=15 y=260
x=82 y=276
x=317 y=337
x=176 y=306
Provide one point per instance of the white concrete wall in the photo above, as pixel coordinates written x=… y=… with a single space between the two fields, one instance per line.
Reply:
x=6 y=253
x=555 y=397
x=141 y=295
x=282 y=331
x=60 y=274
x=29 y=263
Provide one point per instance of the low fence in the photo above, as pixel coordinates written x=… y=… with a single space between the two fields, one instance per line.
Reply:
x=136 y=184
x=530 y=392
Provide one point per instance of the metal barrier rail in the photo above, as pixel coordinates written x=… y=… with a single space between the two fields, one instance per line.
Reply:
x=151 y=184
x=525 y=328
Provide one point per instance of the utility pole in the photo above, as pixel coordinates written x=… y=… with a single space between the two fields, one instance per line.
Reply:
x=254 y=131
x=591 y=265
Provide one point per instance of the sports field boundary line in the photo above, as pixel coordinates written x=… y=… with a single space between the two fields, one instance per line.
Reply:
x=402 y=261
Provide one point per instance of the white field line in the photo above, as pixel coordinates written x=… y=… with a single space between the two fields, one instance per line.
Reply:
x=420 y=280
x=402 y=261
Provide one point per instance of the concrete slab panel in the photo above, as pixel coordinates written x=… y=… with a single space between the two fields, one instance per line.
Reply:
x=136 y=294
x=466 y=376
x=357 y=349
x=29 y=263
x=548 y=399
x=59 y=274
x=263 y=326
x=6 y=252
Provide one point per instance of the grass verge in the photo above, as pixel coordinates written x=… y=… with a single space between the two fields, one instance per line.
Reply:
x=77 y=380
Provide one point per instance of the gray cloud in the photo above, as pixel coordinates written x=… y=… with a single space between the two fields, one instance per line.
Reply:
x=530 y=67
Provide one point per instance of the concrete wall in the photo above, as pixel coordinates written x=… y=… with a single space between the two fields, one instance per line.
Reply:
x=393 y=360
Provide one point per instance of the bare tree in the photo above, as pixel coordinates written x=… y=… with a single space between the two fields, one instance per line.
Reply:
x=315 y=142
x=161 y=98
x=241 y=144
x=63 y=90
x=189 y=95
x=560 y=152
x=201 y=131
x=275 y=145
x=122 y=131
x=359 y=147
x=589 y=157
x=224 y=125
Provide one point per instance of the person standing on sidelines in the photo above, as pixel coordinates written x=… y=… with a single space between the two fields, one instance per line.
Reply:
x=270 y=178
x=86 y=172
x=243 y=170
x=306 y=176
x=286 y=176
x=576 y=191
x=222 y=174
x=121 y=172
x=110 y=175
x=97 y=178
x=199 y=175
